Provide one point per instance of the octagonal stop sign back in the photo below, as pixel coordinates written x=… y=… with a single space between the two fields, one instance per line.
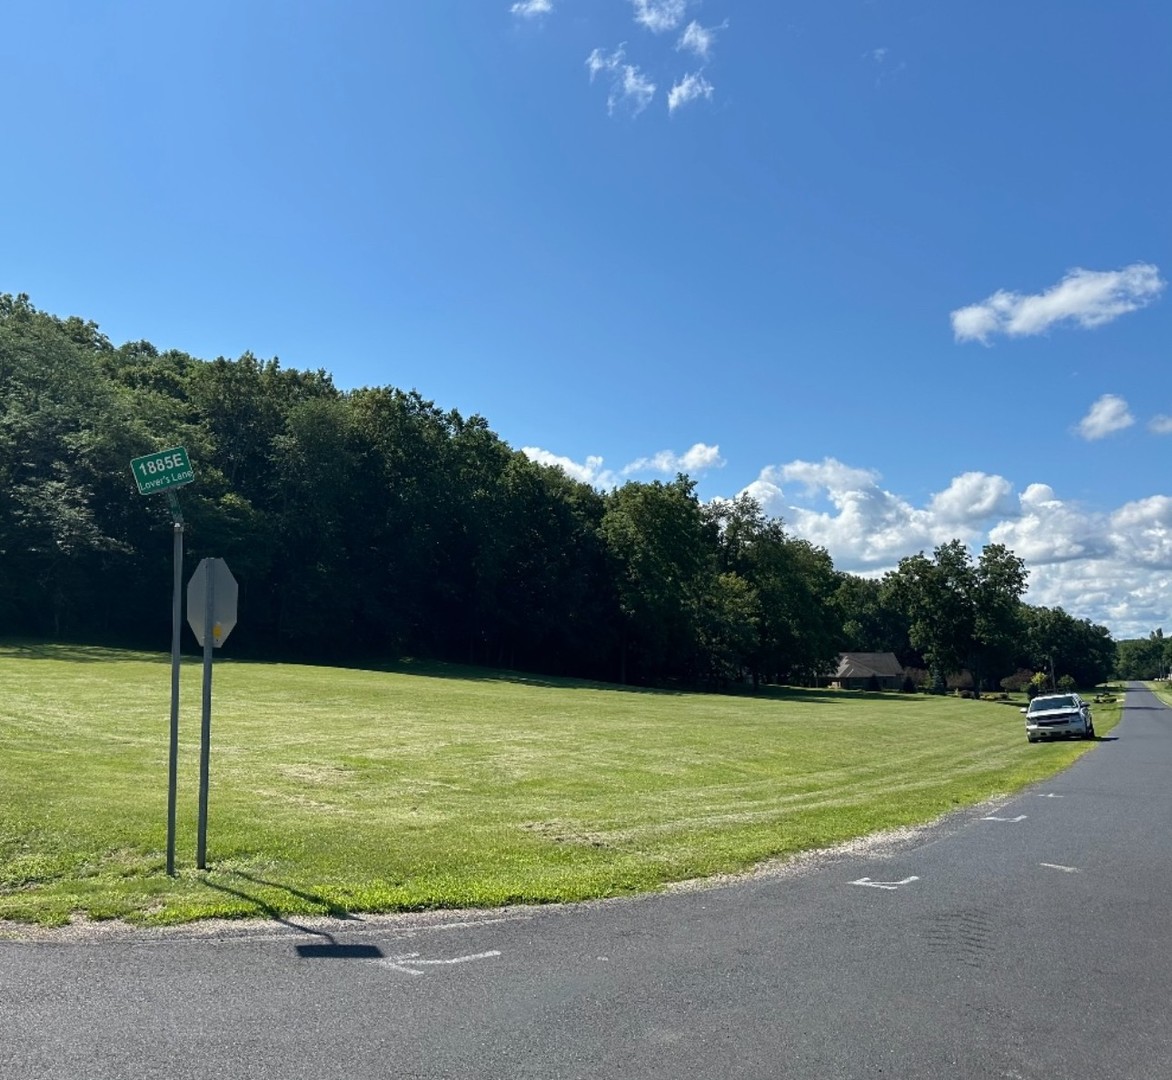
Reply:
x=213 y=575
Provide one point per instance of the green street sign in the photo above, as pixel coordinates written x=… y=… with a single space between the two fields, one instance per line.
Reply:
x=166 y=469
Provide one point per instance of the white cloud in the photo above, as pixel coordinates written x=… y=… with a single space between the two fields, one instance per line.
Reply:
x=659 y=16
x=634 y=89
x=1122 y=577
x=768 y=494
x=828 y=473
x=1142 y=531
x=879 y=55
x=699 y=39
x=701 y=456
x=1113 y=567
x=1088 y=298
x=629 y=87
x=1108 y=415
x=1160 y=425
x=530 y=9
x=974 y=497
x=868 y=529
x=600 y=61
x=689 y=88
x=697 y=459
x=1048 y=530
x=591 y=472
x=1129 y=601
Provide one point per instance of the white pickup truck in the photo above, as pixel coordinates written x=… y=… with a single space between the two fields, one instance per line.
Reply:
x=1055 y=715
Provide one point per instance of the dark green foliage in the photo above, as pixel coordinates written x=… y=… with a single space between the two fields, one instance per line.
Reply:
x=869 y=619
x=365 y=524
x=791 y=629
x=371 y=524
x=1144 y=658
x=1059 y=644
x=65 y=430
x=661 y=551
x=961 y=615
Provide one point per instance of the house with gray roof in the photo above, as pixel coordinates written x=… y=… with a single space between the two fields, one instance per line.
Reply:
x=857 y=669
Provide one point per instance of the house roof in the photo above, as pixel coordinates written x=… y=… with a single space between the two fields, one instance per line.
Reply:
x=862 y=665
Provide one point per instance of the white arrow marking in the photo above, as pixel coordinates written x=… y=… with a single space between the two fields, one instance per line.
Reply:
x=1056 y=866
x=1011 y=820
x=395 y=963
x=883 y=884
x=408 y=962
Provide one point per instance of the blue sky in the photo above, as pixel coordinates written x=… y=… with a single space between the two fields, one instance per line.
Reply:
x=896 y=267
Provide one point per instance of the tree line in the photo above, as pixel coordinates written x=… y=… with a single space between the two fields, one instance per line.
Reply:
x=371 y=523
x=1145 y=658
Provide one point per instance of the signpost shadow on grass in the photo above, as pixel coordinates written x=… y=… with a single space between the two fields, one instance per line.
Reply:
x=333 y=911
x=328 y=948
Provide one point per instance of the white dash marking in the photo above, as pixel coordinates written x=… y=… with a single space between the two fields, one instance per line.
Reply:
x=1056 y=866
x=1011 y=820
x=889 y=885
x=1051 y=795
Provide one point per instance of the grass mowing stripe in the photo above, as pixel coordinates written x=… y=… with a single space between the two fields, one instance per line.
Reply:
x=341 y=789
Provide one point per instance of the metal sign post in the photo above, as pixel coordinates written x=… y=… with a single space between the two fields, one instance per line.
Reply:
x=211 y=613
x=205 y=726
x=165 y=471
x=176 y=631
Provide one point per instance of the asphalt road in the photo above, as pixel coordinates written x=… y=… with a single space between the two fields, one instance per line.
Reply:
x=1024 y=941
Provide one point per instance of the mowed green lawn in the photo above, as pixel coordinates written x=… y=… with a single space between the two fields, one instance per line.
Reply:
x=336 y=790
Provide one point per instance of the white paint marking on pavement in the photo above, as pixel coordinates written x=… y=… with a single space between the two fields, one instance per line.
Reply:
x=408 y=962
x=1056 y=866
x=1051 y=795
x=396 y=963
x=890 y=885
x=1011 y=820
x=461 y=959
